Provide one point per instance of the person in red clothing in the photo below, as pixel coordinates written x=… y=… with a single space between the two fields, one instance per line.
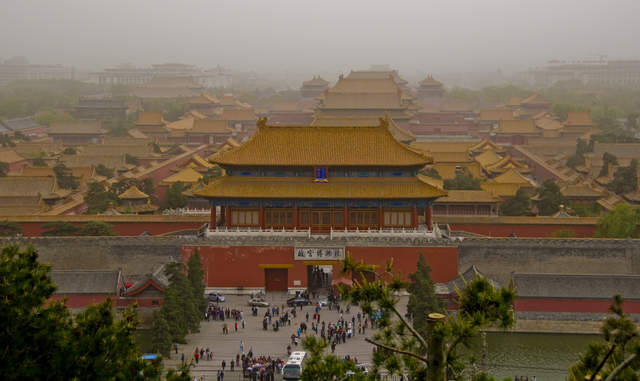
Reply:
x=236 y=326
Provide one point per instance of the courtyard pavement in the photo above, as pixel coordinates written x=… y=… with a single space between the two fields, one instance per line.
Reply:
x=267 y=343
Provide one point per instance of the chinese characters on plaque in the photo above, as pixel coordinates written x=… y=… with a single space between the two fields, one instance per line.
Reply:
x=319 y=253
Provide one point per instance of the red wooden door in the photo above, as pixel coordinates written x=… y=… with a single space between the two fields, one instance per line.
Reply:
x=276 y=279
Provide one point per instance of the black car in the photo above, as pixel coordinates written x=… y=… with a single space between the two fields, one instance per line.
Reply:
x=298 y=301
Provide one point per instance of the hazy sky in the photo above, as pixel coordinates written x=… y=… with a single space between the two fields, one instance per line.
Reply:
x=319 y=35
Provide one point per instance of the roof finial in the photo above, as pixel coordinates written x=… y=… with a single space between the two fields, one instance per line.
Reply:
x=262 y=123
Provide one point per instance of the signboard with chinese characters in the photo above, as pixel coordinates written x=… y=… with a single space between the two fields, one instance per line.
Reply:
x=319 y=253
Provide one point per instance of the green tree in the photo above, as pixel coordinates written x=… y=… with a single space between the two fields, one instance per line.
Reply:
x=607 y=159
x=59 y=229
x=619 y=223
x=463 y=181
x=40 y=340
x=101 y=170
x=431 y=172
x=39 y=162
x=179 y=308
x=98 y=198
x=614 y=358
x=69 y=151
x=196 y=278
x=96 y=228
x=625 y=179
x=401 y=348
x=518 y=205
x=49 y=117
x=9 y=228
x=64 y=177
x=326 y=367
x=161 y=335
x=130 y=159
x=422 y=296
x=4 y=169
x=175 y=197
x=549 y=198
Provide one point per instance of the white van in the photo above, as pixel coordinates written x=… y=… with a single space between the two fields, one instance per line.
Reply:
x=292 y=370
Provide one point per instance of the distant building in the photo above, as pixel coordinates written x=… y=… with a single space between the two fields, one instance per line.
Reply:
x=169 y=87
x=152 y=124
x=26 y=126
x=314 y=87
x=77 y=132
x=591 y=72
x=127 y=74
x=430 y=89
x=356 y=97
x=103 y=109
x=19 y=68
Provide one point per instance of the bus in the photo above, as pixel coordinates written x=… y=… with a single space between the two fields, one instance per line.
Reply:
x=292 y=370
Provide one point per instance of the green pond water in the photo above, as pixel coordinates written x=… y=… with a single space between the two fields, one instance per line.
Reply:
x=544 y=355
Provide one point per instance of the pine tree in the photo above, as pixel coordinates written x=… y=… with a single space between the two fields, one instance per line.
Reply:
x=422 y=298
x=196 y=277
x=161 y=335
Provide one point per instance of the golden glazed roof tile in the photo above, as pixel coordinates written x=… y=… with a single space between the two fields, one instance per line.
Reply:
x=340 y=187
x=187 y=176
x=488 y=158
x=327 y=146
x=517 y=126
x=579 y=119
x=133 y=193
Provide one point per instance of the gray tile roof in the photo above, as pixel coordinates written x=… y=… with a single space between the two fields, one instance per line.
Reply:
x=577 y=285
x=86 y=282
x=21 y=124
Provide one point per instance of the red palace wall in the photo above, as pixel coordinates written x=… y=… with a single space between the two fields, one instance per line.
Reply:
x=573 y=305
x=243 y=266
x=34 y=229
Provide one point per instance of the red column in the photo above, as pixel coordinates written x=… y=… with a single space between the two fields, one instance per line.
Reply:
x=227 y=216
x=380 y=217
x=295 y=217
x=346 y=217
x=261 y=217
x=212 y=221
x=414 y=217
x=428 y=220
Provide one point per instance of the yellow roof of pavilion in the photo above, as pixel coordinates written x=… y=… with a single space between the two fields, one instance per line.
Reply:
x=490 y=115
x=486 y=145
x=187 y=176
x=133 y=193
x=517 y=126
x=512 y=176
x=200 y=161
x=579 y=119
x=445 y=152
x=507 y=163
x=322 y=146
x=488 y=158
x=181 y=124
x=303 y=187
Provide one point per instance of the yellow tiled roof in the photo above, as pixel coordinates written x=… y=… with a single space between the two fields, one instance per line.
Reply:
x=512 y=177
x=445 y=152
x=339 y=187
x=329 y=146
x=210 y=126
x=239 y=114
x=136 y=134
x=362 y=121
x=535 y=99
x=181 y=124
x=578 y=119
x=150 y=118
x=495 y=114
x=488 y=158
x=10 y=156
x=547 y=123
x=186 y=176
x=204 y=99
x=200 y=161
x=463 y=196
x=133 y=193
x=579 y=190
x=486 y=145
x=507 y=163
x=517 y=126
x=76 y=127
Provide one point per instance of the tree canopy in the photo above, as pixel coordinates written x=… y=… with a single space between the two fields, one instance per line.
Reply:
x=625 y=179
x=401 y=349
x=619 y=223
x=463 y=181
x=64 y=177
x=422 y=296
x=40 y=340
x=518 y=205
x=174 y=198
x=549 y=198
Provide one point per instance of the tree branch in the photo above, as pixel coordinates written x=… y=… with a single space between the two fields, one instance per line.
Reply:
x=396 y=350
x=410 y=327
x=619 y=368
x=604 y=360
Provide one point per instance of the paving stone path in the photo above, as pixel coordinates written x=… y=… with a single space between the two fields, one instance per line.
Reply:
x=267 y=343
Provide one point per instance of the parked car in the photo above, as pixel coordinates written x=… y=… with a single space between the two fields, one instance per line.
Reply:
x=254 y=302
x=323 y=302
x=298 y=301
x=216 y=297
